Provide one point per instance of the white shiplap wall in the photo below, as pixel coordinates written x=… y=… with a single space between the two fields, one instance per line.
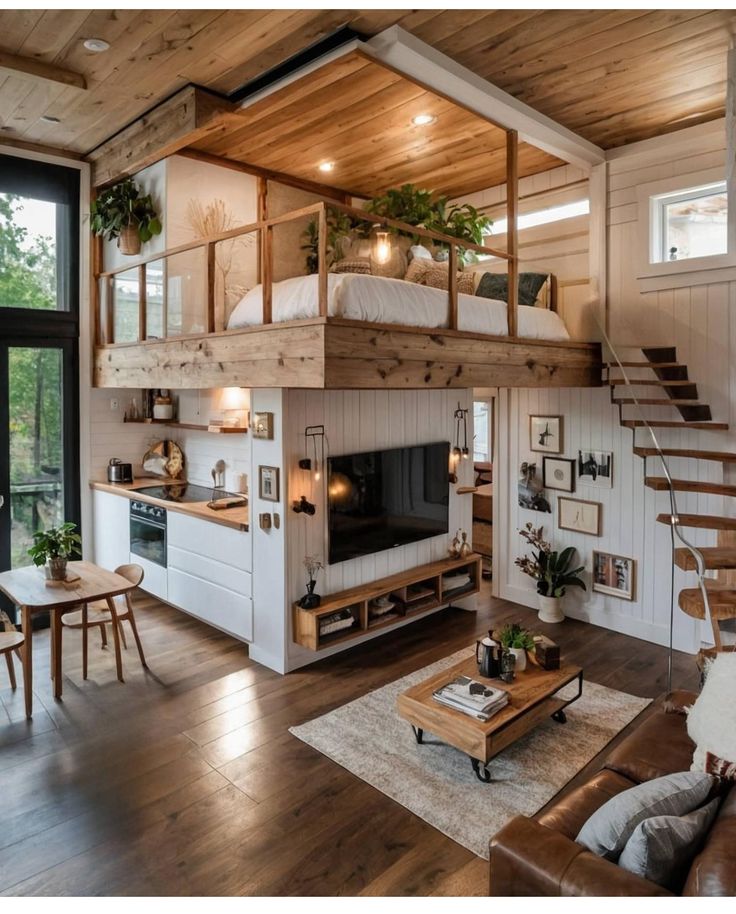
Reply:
x=697 y=319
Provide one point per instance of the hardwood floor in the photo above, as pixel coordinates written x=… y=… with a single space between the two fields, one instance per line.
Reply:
x=185 y=780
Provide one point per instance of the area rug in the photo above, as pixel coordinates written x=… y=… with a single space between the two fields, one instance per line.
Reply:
x=437 y=783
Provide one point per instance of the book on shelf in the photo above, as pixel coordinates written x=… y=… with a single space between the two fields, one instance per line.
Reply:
x=471 y=697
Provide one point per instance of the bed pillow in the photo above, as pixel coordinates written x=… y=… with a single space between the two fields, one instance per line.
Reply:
x=711 y=721
x=496 y=285
x=662 y=848
x=608 y=830
x=437 y=276
x=352 y=265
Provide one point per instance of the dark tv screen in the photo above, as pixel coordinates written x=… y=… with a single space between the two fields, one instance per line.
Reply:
x=381 y=499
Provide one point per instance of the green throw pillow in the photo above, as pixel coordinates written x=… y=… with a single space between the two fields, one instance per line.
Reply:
x=496 y=285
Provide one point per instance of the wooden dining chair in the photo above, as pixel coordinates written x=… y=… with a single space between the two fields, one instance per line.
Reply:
x=99 y=615
x=11 y=641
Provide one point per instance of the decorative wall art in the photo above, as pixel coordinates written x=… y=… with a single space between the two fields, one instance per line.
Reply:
x=595 y=468
x=545 y=434
x=268 y=483
x=579 y=516
x=558 y=473
x=614 y=575
x=262 y=426
x=531 y=490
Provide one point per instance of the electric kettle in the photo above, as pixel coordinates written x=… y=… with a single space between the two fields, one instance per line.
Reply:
x=488 y=657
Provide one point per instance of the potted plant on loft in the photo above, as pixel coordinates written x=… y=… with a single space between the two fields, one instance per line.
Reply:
x=517 y=640
x=122 y=212
x=551 y=570
x=53 y=547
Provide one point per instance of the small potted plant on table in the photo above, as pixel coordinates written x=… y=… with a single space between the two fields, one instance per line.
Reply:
x=53 y=547
x=552 y=572
x=517 y=640
x=122 y=212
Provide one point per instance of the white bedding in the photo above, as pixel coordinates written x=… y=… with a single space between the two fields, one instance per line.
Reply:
x=376 y=299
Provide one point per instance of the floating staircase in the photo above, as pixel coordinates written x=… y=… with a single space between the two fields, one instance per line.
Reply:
x=661 y=370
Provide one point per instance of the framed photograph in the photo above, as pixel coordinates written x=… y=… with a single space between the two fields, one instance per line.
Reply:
x=268 y=483
x=531 y=491
x=262 y=426
x=595 y=468
x=558 y=473
x=614 y=575
x=545 y=434
x=579 y=516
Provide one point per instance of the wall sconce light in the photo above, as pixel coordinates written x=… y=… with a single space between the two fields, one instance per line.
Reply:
x=380 y=245
x=315 y=463
x=461 y=433
x=302 y=506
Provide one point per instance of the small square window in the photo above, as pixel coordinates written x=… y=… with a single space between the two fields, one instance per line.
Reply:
x=689 y=223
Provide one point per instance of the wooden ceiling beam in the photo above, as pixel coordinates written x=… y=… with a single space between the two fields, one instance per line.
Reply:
x=29 y=67
x=188 y=116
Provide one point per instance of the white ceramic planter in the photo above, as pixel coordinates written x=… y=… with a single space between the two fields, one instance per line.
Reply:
x=520 y=654
x=550 y=609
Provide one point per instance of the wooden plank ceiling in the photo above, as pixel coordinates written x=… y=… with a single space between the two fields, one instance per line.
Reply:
x=357 y=115
x=613 y=76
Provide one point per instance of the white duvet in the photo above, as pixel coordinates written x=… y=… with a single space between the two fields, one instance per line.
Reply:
x=375 y=299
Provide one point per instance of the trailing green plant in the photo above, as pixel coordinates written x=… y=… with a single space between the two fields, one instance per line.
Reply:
x=516 y=636
x=461 y=221
x=339 y=225
x=55 y=543
x=407 y=203
x=120 y=206
x=550 y=569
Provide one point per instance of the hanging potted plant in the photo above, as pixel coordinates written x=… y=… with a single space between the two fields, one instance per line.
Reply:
x=552 y=572
x=121 y=212
x=53 y=547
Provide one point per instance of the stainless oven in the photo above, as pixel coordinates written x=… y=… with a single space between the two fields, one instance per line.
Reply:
x=148 y=532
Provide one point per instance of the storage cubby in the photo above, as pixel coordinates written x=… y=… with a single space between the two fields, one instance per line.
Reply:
x=385 y=603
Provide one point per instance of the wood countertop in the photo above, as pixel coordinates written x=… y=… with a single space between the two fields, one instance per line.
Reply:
x=237 y=518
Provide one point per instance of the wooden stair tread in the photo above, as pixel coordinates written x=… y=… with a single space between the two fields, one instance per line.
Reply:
x=661 y=423
x=653 y=401
x=649 y=382
x=715 y=557
x=721 y=601
x=688 y=485
x=701 y=521
x=717 y=456
x=652 y=365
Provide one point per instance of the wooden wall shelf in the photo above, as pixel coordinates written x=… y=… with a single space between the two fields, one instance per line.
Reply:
x=219 y=429
x=412 y=592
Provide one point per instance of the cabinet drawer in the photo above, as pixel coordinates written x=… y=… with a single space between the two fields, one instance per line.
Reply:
x=200 y=566
x=232 y=612
x=155 y=578
x=211 y=540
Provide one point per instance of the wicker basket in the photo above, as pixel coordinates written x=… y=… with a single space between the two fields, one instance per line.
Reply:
x=129 y=241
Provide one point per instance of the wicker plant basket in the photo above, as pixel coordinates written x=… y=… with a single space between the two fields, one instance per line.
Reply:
x=129 y=241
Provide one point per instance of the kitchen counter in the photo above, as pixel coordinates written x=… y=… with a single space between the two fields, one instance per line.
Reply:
x=236 y=518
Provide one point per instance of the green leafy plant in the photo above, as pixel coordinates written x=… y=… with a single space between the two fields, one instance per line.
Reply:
x=516 y=636
x=550 y=569
x=407 y=203
x=339 y=225
x=120 y=206
x=55 y=543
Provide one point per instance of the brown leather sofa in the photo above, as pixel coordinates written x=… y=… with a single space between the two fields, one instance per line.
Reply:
x=540 y=857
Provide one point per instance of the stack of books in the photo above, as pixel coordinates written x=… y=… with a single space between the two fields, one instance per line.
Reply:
x=476 y=699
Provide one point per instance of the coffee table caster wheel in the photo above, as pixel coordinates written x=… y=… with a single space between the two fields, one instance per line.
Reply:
x=481 y=771
x=560 y=717
x=418 y=734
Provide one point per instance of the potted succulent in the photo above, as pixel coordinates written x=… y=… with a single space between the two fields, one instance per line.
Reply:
x=53 y=547
x=551 y=570
x=517 y=640
x=122 y=212
x=311 y=600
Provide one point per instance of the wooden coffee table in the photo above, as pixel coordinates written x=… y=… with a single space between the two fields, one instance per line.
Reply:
x=532 y=700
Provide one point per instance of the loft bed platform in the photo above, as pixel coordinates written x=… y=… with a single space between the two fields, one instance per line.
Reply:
x=327 y=350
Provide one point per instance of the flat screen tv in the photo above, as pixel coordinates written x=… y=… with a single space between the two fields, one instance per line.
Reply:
x=381 y=499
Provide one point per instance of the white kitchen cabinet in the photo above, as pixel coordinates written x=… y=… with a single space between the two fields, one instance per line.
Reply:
x=211 y=540
x=111 y=529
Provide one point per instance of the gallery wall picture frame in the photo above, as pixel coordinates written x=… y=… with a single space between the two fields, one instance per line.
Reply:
x=558 y=473
x=595 y=468
x=531 y=494
x=268 y=483
x=545 y=434
x=579 y=516
x=614 y=575
x=262 y=426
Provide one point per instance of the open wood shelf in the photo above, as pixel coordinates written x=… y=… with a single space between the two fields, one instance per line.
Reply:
x=173 y=423
x=428 y=595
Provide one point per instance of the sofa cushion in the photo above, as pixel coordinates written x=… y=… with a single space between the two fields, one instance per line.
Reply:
x=640 y=756
x=609 y=828
x=568 y=814
x=661 y=848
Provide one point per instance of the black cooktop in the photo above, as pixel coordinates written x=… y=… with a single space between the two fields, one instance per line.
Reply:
x=185 y=492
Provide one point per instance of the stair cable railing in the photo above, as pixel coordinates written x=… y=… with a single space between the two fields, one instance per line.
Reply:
x=676 y=533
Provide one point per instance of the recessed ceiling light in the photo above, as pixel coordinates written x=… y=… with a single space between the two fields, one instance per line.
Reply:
x=50 y=119
x=327 y=166
x=97 y=45
x=421 y=120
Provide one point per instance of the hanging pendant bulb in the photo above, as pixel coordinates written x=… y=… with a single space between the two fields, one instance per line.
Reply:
x=381 y=250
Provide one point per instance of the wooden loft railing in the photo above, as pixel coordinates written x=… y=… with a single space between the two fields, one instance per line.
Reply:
x=104 y=285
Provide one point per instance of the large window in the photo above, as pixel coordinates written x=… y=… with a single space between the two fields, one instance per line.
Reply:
x=688 y=223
